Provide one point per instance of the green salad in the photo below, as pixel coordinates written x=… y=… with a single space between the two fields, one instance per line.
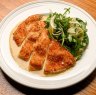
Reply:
x=70 y=32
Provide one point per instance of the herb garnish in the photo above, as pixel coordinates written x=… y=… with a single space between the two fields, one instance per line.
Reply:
x=70 y=32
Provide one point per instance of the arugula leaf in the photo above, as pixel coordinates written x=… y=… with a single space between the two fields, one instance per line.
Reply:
x=66 y=27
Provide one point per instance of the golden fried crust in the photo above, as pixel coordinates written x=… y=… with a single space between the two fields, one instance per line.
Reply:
x=28 y=46
x=37 y=26
x=55 y=57
x=31 y=24
x=58 y=59
x=40 y=51
x=20 y=34
x=38 y=44
x=34 y=37
x=53 y=68
x=32 y=18
x=26 y=50
x=36 y=62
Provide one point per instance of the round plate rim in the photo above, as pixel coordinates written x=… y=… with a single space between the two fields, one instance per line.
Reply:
x=5 y=67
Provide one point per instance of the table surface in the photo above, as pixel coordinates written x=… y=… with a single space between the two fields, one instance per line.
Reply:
x=85 y=87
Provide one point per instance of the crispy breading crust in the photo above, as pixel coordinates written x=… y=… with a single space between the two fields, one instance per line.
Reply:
x=34 y=36
x=58 y=59
x=28 y=46
x=26 y=50
x=40 y=51
x=30 y=24
x=36 y=62
x=20 y=34
x=37 y=26
x=32 y=18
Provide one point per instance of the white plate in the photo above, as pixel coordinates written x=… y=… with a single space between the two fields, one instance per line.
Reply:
x=81 y=70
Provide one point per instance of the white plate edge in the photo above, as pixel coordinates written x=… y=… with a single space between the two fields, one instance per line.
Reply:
x=41 y=2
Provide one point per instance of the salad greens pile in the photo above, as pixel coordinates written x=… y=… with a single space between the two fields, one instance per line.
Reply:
x=70 y=32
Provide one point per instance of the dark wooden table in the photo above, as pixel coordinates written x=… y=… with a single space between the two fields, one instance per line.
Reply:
x=9 y=87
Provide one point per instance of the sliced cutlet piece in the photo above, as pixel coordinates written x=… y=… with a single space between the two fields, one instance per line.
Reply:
x=27 y=48
x=20 y=34
x=58 y=59
x=40 y=51
x=24 y=28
